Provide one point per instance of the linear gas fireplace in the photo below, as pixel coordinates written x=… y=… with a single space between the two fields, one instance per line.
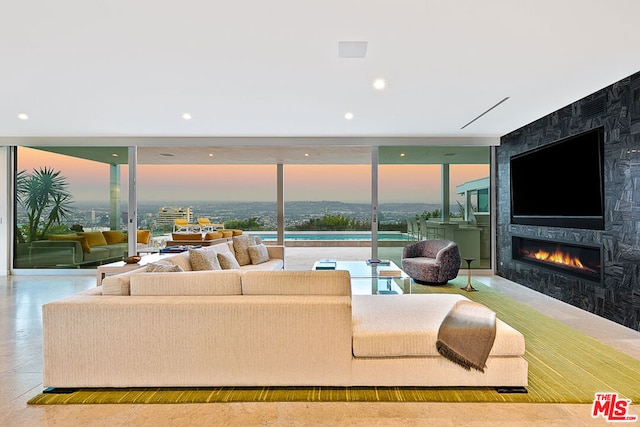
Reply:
x=577 y=259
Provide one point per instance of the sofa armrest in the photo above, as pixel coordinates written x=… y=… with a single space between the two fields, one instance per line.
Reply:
x=276 y=252
x=43 y=253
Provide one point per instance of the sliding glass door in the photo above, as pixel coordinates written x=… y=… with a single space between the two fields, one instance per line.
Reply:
x=63 y=191
x=436 y=193
x=326 y=195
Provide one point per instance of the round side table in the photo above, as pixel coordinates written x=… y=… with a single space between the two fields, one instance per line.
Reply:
x=469 y=288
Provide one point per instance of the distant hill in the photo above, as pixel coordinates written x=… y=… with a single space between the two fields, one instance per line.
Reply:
x=266 y=212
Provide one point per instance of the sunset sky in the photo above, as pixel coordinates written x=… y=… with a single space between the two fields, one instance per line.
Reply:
x=176 y=184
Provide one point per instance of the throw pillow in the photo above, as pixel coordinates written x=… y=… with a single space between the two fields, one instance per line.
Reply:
x=95 y=238
x=228 y=261
x=241 y=247
x=83 y=240
x=163 y=267
x=68 y=236
x=258 y=254
x=143 y=236
x=114 y=236
x=203 y=259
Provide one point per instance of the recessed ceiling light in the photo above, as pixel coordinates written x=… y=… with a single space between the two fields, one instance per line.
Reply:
x=23 y=116
x=186 y=116
x=401 y=154
x=210 y=154
x=306 y=154
x=379 y=84
x=114 y=154
x=349 y=116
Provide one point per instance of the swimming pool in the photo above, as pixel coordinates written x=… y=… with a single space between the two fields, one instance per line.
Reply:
x=331 y=235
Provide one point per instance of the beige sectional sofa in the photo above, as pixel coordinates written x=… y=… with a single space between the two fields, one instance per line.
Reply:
x=257 y=328
x=119 y=284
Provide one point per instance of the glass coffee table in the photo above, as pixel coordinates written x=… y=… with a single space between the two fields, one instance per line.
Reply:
x=372 y=279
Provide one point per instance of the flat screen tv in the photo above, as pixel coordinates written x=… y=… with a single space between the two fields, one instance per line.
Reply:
x=560 y=184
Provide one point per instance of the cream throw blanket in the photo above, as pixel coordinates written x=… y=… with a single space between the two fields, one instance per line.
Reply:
x=466 y=334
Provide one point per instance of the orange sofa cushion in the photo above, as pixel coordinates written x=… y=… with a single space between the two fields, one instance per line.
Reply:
x=95 y=238
x=186 y=236
x=213 y=235
x=83 y=240
x=114 y=236
x=143 y=236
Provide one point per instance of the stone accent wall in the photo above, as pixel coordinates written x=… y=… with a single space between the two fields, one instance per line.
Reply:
x=617 y=109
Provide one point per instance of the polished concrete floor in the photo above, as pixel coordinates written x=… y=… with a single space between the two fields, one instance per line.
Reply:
x=22 y=296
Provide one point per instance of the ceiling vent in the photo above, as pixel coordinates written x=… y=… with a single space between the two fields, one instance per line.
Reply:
x=352 y=49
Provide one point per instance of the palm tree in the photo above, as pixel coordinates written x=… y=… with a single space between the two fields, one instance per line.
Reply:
x=45 y=197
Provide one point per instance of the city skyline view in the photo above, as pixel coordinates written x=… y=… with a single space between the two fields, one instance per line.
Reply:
x=182 y=184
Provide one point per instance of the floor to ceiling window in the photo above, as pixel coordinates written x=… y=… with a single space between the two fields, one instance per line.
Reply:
x=61 y=192
x=408 y=194
x=470 y=184
x=423 y=193
x=428 y=189
x=238 y=196
x=328 y=202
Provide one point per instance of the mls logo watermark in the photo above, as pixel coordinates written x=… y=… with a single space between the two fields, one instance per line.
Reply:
x=612 y=408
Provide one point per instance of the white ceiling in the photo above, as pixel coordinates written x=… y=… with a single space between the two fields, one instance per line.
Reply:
x=130 y=68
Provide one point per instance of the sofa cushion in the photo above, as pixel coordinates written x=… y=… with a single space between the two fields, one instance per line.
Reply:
x=407 y=325
x=236 y=232
x=241 y=247
x=114 y=236
x=212 y=235
x=143 y=236
x=117 y=250
x=228 y=261
x=181 y=259
x=274 y=264
x=119 y=284
x=97 y=254
x=335 y=282
x=74 y=237
x=258 y=254
x=95 y=238
x=187 y=283
x=67 y=236
x=163 y=267
x=203 y=259
x=223 y=247
x=227 y=233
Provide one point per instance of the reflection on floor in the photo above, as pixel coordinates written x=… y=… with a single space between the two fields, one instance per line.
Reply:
x=21 y=298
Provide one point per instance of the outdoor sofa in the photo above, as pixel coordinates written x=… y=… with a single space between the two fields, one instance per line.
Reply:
x=83 y=248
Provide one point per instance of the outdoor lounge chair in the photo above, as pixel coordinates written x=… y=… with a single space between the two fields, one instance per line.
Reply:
x=207 y=226
x=181 y=225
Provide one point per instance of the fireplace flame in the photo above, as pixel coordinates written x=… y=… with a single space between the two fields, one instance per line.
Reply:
x=558 y=257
